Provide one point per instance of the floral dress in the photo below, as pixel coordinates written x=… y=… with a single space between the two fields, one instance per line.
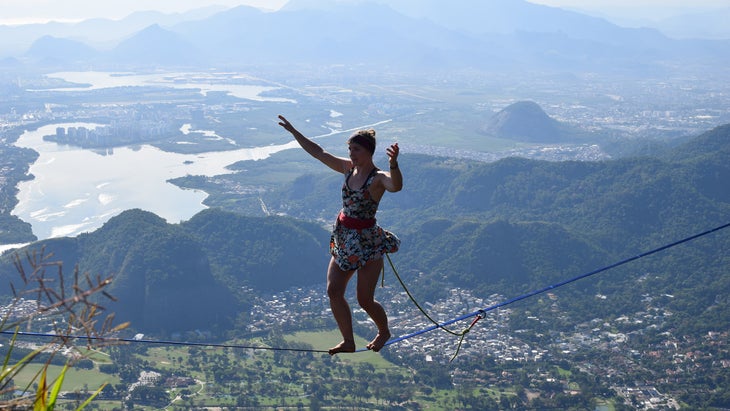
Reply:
x=356 y=237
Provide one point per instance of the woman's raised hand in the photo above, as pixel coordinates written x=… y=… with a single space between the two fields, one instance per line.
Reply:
x=393 y=152
x=286 y=124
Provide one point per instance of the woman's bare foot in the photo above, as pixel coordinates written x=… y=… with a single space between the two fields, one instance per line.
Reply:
x=379 y=341
x=344 y=346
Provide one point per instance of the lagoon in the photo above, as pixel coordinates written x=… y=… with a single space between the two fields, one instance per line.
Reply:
x=75 y=190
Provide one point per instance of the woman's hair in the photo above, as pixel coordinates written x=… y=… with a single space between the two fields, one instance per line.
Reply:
x=365 y=138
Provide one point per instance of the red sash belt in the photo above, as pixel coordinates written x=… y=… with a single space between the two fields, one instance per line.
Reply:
x=355 y=223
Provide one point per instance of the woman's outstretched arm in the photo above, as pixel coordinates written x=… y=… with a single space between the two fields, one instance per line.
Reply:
x=339 y=164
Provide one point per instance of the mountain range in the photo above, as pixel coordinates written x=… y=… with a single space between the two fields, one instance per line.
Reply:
x=494 y=34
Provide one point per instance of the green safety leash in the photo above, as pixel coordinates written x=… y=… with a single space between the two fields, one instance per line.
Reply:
x=481 y=314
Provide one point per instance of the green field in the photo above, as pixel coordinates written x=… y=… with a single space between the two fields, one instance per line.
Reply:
x=322 y=339
x=75 y=379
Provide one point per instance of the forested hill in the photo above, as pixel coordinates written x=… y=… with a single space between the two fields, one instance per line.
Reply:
x=707 y=158
x=508 y=227
x=195 y=275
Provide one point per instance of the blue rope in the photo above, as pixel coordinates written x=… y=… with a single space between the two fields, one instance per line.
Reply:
x=556 y=285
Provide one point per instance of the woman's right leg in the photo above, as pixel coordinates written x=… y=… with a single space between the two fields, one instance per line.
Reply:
x=337 y=280
x=367 y=281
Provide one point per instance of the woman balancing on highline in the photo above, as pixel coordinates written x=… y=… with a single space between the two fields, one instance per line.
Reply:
x=357 y=243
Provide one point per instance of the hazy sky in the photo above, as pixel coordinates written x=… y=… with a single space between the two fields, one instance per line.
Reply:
x=24 y=11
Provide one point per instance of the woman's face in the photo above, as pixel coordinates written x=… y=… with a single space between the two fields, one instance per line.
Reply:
x=358 y=154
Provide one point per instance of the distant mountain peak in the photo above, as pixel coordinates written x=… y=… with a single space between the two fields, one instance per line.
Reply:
x=525 y=121
x=50 y=47
x=155 y=44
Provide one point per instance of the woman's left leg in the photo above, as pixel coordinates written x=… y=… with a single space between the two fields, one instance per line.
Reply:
x=367 y=281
